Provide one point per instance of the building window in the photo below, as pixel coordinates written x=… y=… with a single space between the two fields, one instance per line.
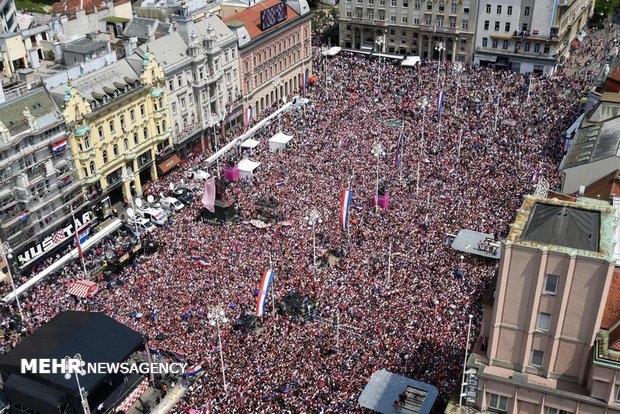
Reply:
x=416 y=21
x=360 y=14
x=507 y=27
x=145 y=133
x=404 y=19
x=551 y=284
x=505 y=45
x=381 y=2
x=142 y=111
x=405 y=3
x=93 y=169
x=485 y=42
x=486 y=25
x=544 y=322
x=105 y=156
x=440 y=22
x=371 y=14
x=100 y=131
x=537 y=358
x=429 y=20
x=497 y=26
x=416 y=4
x=488 y=9
x=465 y=24
x=546 y=50
x=453 y=7
x=348 y=15
x=111 y=126
x=441 y=6
x=115 y=150
x=509 y=11
x=136 y=140
x=381 y=14
x=537 y=47
x=553 y=410
x=126 y=144
x=132 y=116
x=495 y=43
x=617 y=392
x=429 y=5
x=498 y=402
x=393 y=18
x=526 y=11
x=499 y=9
x=171 y=85
x=452 y=22
x=526 y=47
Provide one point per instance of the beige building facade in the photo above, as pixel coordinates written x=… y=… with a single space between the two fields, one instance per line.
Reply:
x=430 y=29
x=538 y=350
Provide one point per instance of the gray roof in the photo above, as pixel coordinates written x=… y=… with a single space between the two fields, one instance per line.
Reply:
x=384 y=388
x=222 y=32
x=594 y=143
x=140 y=26
x=84 y=46
x=564 y=226
x=103 y=83
x=40 y=105
x=168 y=50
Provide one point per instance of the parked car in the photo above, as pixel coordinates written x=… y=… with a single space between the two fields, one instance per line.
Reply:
x=140 y=225
x=171 y=204
x=183 y=195
x=154 y=215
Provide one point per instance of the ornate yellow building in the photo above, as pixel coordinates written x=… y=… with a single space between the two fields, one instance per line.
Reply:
x=118 y=123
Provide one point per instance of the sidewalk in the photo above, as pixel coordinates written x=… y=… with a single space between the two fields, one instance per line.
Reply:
x=170 y=400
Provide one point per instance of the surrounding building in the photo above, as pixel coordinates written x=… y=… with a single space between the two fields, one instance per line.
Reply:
x=201 y=66
x=37 y=181
x=169 y=10
x=529 y=35
x=72 y=19
x=84 y=50
x=119 y=125
x=8 y=16
x=274 y=57
x=430 y=29
x=542 y=346
x=146 y=30
x=25 y=49
x=595 y=147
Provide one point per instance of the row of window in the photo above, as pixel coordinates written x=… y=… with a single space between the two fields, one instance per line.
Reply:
x=497 y=26
x=370 y=14
x=527 y=46
x=498 y=10
x=416 y=5
x=500 y=403
x=269 y=52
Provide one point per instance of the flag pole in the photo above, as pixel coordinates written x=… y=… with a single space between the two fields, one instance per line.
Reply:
x=273 y=286
x=460 y=142
x=349 y=215
x=77 y=242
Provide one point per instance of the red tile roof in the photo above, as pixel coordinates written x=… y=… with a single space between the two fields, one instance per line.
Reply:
x=70 y=7
x=250 y=18
x=605 y=187
x=611 y=315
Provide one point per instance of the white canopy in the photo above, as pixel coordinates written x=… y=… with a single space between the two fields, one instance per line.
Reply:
x=279 y=141
x=411 y=61
x=332 y=51
x=247 y=166
x=250 y=143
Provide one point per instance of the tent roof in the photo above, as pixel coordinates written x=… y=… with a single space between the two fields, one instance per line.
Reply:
x=281 y=138
x=94 y=335
x=248 y=165
x=250 y=143
x=332 y=51
x=411 y=61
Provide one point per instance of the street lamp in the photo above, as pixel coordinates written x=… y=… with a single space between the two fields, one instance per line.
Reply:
x=440 y=47
x=463 y=383
x=459 y=71
x=217 y=316
x=277 y=84
x=7 y=255
x=422 y=104
x=379 y=152
x=68 y=368
x=313 y=218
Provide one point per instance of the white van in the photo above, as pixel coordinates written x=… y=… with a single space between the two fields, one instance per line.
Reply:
x=153 y=215
x=171 y=204
x=142 y=225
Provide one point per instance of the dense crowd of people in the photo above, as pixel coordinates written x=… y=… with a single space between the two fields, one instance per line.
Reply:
x=465 y=169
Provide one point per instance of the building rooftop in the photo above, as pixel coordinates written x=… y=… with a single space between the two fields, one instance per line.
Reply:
x=251 y=18
x=611 y=314
x=170 y=49
x=40 y=105
x=84 y=46
x=594 y=143
x=143 y=28
x=583 y=226
x=605 y=187
x=70 y=7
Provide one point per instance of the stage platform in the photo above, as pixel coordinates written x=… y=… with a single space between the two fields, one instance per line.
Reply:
x=468 y=241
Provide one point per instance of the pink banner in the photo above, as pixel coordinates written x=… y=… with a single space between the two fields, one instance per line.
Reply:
x=208 y=197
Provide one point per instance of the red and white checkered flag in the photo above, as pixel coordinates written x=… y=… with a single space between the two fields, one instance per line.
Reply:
x=58 y=237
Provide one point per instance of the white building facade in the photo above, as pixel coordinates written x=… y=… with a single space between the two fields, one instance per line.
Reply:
x=529 y=35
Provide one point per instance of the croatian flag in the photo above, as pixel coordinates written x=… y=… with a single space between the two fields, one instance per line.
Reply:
x=193 y=371
x=261 y=300
x=84 y=235
x=200 y=260
x=304 y=82
x=248 y=118
x=398 y=149
x=442 y=96
x=59 y=146
x=535 y=176
x=279 y=183
x=345 y=205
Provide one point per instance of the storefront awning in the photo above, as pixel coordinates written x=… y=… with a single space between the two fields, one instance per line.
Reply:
x=169 y=164
x=83 y=288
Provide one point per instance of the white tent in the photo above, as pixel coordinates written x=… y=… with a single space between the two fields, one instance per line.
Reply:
x=279 y=141
x=332 y=51
x=411 y=61
x=247 y=167
x=250 y=143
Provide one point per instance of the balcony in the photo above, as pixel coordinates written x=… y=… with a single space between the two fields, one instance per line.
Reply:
x=162 y=137
x=84 y=155
x=93 y=179
x=130 y=155
x=525 y=35
x=158 y=114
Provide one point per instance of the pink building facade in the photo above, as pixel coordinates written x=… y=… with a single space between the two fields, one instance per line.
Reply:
x=547 y=334
x=273 y=61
